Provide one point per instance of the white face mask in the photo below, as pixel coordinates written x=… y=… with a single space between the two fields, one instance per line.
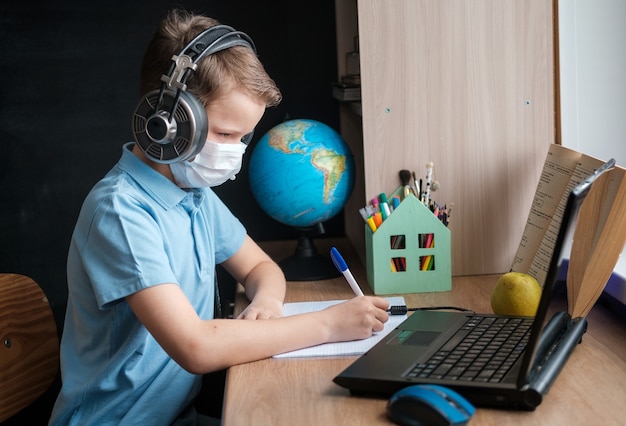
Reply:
x=214 y=165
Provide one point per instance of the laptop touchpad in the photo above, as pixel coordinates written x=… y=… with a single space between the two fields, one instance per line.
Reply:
x=415 y=338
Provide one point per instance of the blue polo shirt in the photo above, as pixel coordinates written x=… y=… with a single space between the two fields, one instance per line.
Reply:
x=136 y=229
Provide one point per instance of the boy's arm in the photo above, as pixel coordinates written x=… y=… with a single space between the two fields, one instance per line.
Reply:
x=262 y=278
x=201 y=346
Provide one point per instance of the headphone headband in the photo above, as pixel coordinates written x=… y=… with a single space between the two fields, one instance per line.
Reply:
x=211 y=40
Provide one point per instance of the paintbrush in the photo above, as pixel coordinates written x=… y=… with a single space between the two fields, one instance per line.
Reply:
x=405 y=178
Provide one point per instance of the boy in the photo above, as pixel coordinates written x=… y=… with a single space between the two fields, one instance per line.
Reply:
x=140 y=328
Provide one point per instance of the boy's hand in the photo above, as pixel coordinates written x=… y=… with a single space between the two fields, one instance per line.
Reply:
x=262 y=308
x=357 y=318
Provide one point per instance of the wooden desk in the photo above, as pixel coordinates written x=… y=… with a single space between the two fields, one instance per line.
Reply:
x=591 y=389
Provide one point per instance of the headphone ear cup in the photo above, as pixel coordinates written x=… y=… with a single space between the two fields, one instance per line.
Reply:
x=166 y=140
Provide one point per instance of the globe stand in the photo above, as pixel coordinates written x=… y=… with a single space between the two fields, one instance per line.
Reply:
x=306 y=264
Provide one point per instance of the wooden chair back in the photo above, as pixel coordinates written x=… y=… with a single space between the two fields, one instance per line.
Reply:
x=29 y=344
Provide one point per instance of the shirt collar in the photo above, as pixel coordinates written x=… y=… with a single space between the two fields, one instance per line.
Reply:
x=160 y=188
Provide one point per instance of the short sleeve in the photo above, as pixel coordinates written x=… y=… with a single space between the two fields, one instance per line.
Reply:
x=124 y=250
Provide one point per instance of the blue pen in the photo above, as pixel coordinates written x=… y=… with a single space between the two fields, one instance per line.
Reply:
x=342 y=267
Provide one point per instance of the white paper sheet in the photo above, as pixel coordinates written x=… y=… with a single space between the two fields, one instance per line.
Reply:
x=356 y=347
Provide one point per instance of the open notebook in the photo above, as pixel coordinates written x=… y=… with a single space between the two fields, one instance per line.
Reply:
x=356 y=347
x=599 y=237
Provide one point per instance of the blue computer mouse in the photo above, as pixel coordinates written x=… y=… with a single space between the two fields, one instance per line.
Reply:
x=430 y=405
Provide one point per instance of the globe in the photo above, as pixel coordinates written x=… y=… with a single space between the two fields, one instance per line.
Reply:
x=301 y=174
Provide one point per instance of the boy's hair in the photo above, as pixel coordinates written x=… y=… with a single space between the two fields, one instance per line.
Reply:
x=237 y=66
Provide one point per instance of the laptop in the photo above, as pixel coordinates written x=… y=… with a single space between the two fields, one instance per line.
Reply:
x=446 y=348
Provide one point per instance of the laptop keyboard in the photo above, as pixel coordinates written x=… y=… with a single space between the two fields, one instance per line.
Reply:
x=483 y=350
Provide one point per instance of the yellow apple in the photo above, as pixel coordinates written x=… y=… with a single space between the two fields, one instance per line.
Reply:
x=517 y=294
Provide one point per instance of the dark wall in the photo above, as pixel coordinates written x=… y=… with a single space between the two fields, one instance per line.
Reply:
x=68 y=86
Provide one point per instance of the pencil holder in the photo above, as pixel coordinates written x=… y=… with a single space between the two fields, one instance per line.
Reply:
x=409 y=252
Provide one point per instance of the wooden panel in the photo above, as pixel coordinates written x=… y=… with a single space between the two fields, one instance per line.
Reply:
x=469 y=86
x=351 y=123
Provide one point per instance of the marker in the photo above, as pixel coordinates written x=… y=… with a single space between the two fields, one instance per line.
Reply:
x=378 y=219
x=385 y=210
x=374 y=204
x=342 y=267
x=396 y=201
x=371 y=223
x=383 y=204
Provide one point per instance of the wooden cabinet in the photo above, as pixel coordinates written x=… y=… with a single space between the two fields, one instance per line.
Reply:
x=468 y=85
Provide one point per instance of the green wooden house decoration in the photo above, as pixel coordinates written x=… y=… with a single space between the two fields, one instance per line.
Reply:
x=409 y=252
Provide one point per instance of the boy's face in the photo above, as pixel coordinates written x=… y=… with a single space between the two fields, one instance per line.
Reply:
x=233 y=115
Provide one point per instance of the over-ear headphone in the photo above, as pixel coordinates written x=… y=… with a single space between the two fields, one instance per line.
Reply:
x=171 y=124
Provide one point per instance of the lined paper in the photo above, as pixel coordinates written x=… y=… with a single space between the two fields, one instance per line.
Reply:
x=356 y=347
